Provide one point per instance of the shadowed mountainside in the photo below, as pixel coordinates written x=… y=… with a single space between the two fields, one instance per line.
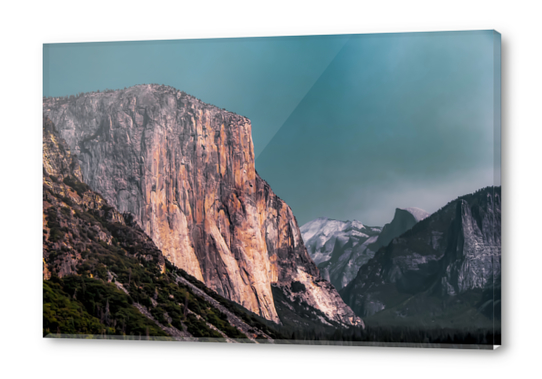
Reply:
x=444 y=272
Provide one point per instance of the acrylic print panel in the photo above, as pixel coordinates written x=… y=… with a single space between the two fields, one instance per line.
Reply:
x=340 y=189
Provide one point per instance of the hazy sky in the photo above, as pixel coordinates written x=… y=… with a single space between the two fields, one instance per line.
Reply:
x=347 y=127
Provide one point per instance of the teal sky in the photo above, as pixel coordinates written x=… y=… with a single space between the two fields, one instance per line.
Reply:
x=347 y=127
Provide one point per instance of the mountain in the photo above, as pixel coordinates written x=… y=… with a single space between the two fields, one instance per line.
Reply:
x=339 y=248
x=103 y=275
x=184 y=172
x=444 y=272
x=403 y=220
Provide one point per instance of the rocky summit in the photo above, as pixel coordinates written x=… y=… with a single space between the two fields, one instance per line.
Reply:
x=184 y=172
x=403 y=220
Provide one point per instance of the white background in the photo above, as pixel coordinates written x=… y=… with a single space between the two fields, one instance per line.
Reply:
x=25 y=26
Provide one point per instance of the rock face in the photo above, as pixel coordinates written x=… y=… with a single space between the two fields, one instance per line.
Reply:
x=103 y=275
x=185 y=170
x=446 y=267
x=403 y=220
x=339 y=248
x=57 y=158
x=62 y=190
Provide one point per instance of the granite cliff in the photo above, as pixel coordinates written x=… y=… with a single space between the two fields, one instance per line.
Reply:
x=184 y=171
x=104 y=276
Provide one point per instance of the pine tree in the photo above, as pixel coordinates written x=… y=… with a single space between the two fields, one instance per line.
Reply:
x=107 y=312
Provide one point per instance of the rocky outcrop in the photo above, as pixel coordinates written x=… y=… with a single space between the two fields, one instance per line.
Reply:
x=473 y=259
x=339 y=248
x=185 y=171
x=403 y=220
x=63 y=190
x=57 y=158
x=445 y=266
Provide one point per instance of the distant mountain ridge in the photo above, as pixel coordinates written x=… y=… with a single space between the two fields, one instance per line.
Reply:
x=445 y=271
x=340 y=248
